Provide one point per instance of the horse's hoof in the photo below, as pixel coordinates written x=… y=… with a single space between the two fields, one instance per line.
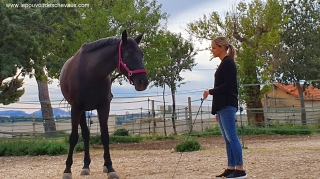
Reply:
x=85 y=171
x=113 y=175
x=67 y=176
x=105 y=170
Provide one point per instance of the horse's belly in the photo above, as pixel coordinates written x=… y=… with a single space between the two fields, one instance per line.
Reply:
x=93 y=101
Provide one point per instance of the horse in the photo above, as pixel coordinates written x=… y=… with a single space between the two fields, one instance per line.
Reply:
x=85 y=83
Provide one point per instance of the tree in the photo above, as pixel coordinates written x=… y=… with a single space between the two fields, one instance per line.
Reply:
x=111 y=17
x=298 y=59
x=254 y=29
x=41 y=34
x=10 y=92
x=180 y=57
x=17 y=46
x=52 y=53
x=157 y=51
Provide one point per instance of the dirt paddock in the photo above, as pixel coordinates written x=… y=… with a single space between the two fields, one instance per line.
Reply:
x=267 y=157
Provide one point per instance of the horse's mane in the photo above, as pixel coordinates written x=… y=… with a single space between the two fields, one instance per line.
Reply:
x=87 y=47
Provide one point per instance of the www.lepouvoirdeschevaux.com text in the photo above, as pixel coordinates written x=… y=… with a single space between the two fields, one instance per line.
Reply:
x=47 y=5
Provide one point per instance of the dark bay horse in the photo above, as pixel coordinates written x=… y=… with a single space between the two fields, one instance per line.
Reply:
x=85 y=83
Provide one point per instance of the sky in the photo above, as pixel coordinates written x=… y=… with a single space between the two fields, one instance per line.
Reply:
x=126 y=99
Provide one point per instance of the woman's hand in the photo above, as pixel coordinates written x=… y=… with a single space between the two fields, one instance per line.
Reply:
x=205 y=94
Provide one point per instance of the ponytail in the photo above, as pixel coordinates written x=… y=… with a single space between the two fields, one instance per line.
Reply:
x=231 y=51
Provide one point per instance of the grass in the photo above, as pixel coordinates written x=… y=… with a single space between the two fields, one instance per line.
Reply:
x=51 y=146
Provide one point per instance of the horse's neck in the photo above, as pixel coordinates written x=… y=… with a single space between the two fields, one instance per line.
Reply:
x=106 y=63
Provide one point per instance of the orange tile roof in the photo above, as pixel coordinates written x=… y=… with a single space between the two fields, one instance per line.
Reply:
x=310 y=93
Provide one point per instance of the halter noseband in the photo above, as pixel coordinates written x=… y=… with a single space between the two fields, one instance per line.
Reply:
x=121 y=63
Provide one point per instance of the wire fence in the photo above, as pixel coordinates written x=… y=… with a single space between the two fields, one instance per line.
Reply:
x=144 y=123
x=150 y=114
x=135 y=125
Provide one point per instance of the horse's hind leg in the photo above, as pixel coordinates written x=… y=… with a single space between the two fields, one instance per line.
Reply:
x=73 y=140
x=86 y=137
x=103 y=113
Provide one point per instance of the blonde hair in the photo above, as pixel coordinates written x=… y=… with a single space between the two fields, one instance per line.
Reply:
x=223 y=42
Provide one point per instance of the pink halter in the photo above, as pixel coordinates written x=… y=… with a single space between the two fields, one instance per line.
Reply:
x=121 y=63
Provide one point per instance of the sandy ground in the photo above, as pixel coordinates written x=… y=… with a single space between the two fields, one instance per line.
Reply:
x=267 y=157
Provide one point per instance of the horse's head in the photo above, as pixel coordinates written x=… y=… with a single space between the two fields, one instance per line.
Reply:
x=130 y=62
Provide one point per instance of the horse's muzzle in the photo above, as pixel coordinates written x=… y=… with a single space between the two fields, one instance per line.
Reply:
x=141 y=85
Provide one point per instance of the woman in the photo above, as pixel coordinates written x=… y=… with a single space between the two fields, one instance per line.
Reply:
x=225 y=106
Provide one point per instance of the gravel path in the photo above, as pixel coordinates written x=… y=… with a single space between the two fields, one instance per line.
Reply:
x=267 y=157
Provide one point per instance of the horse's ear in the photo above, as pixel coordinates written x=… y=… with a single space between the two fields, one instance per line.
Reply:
x=138 y=39
x=124 y=36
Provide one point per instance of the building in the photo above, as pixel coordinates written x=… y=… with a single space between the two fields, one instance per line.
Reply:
x=283 y=103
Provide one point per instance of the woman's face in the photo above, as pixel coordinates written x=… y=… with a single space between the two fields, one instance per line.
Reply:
x=216 y=50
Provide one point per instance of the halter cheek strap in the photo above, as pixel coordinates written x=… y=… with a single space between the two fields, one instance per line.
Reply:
x=121 y=63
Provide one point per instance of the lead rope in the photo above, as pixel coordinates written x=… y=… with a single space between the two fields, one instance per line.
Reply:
x=188 y=137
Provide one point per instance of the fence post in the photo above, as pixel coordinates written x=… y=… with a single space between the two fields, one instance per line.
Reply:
x=153 y=117
x=140 y=122
x=187 y=118
x=209 y=112
x=242 y=133
x=178 y=114
x=132 y=127
x=149 y=121
x=98 y=124
x=190 y=114
x=201 y=120
x=266 y=110
x=34 y=126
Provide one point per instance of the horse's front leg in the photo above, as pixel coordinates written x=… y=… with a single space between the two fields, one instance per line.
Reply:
x=103 y=113
x=86 y=137
x=73 y=140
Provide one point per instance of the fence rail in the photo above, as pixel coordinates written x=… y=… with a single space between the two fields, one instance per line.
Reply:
x=150 y=121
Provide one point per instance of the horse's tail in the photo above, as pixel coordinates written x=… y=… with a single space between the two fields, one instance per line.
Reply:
x=68 y=105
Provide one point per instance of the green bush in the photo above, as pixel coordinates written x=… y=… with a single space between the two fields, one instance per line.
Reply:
x=32 y=147
x=250 y=130
x=38 y=148
x=292 y=130
x=209 y=131
x=213 y=129
x=16 y=148
x=287 y=129
x=201 y=134
x=121 y=132
x=3 y=148
x=95 y=140
x=162 y=137
x=124 y=139
x=79 y=147
x=188 y=146
x=57 y=149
